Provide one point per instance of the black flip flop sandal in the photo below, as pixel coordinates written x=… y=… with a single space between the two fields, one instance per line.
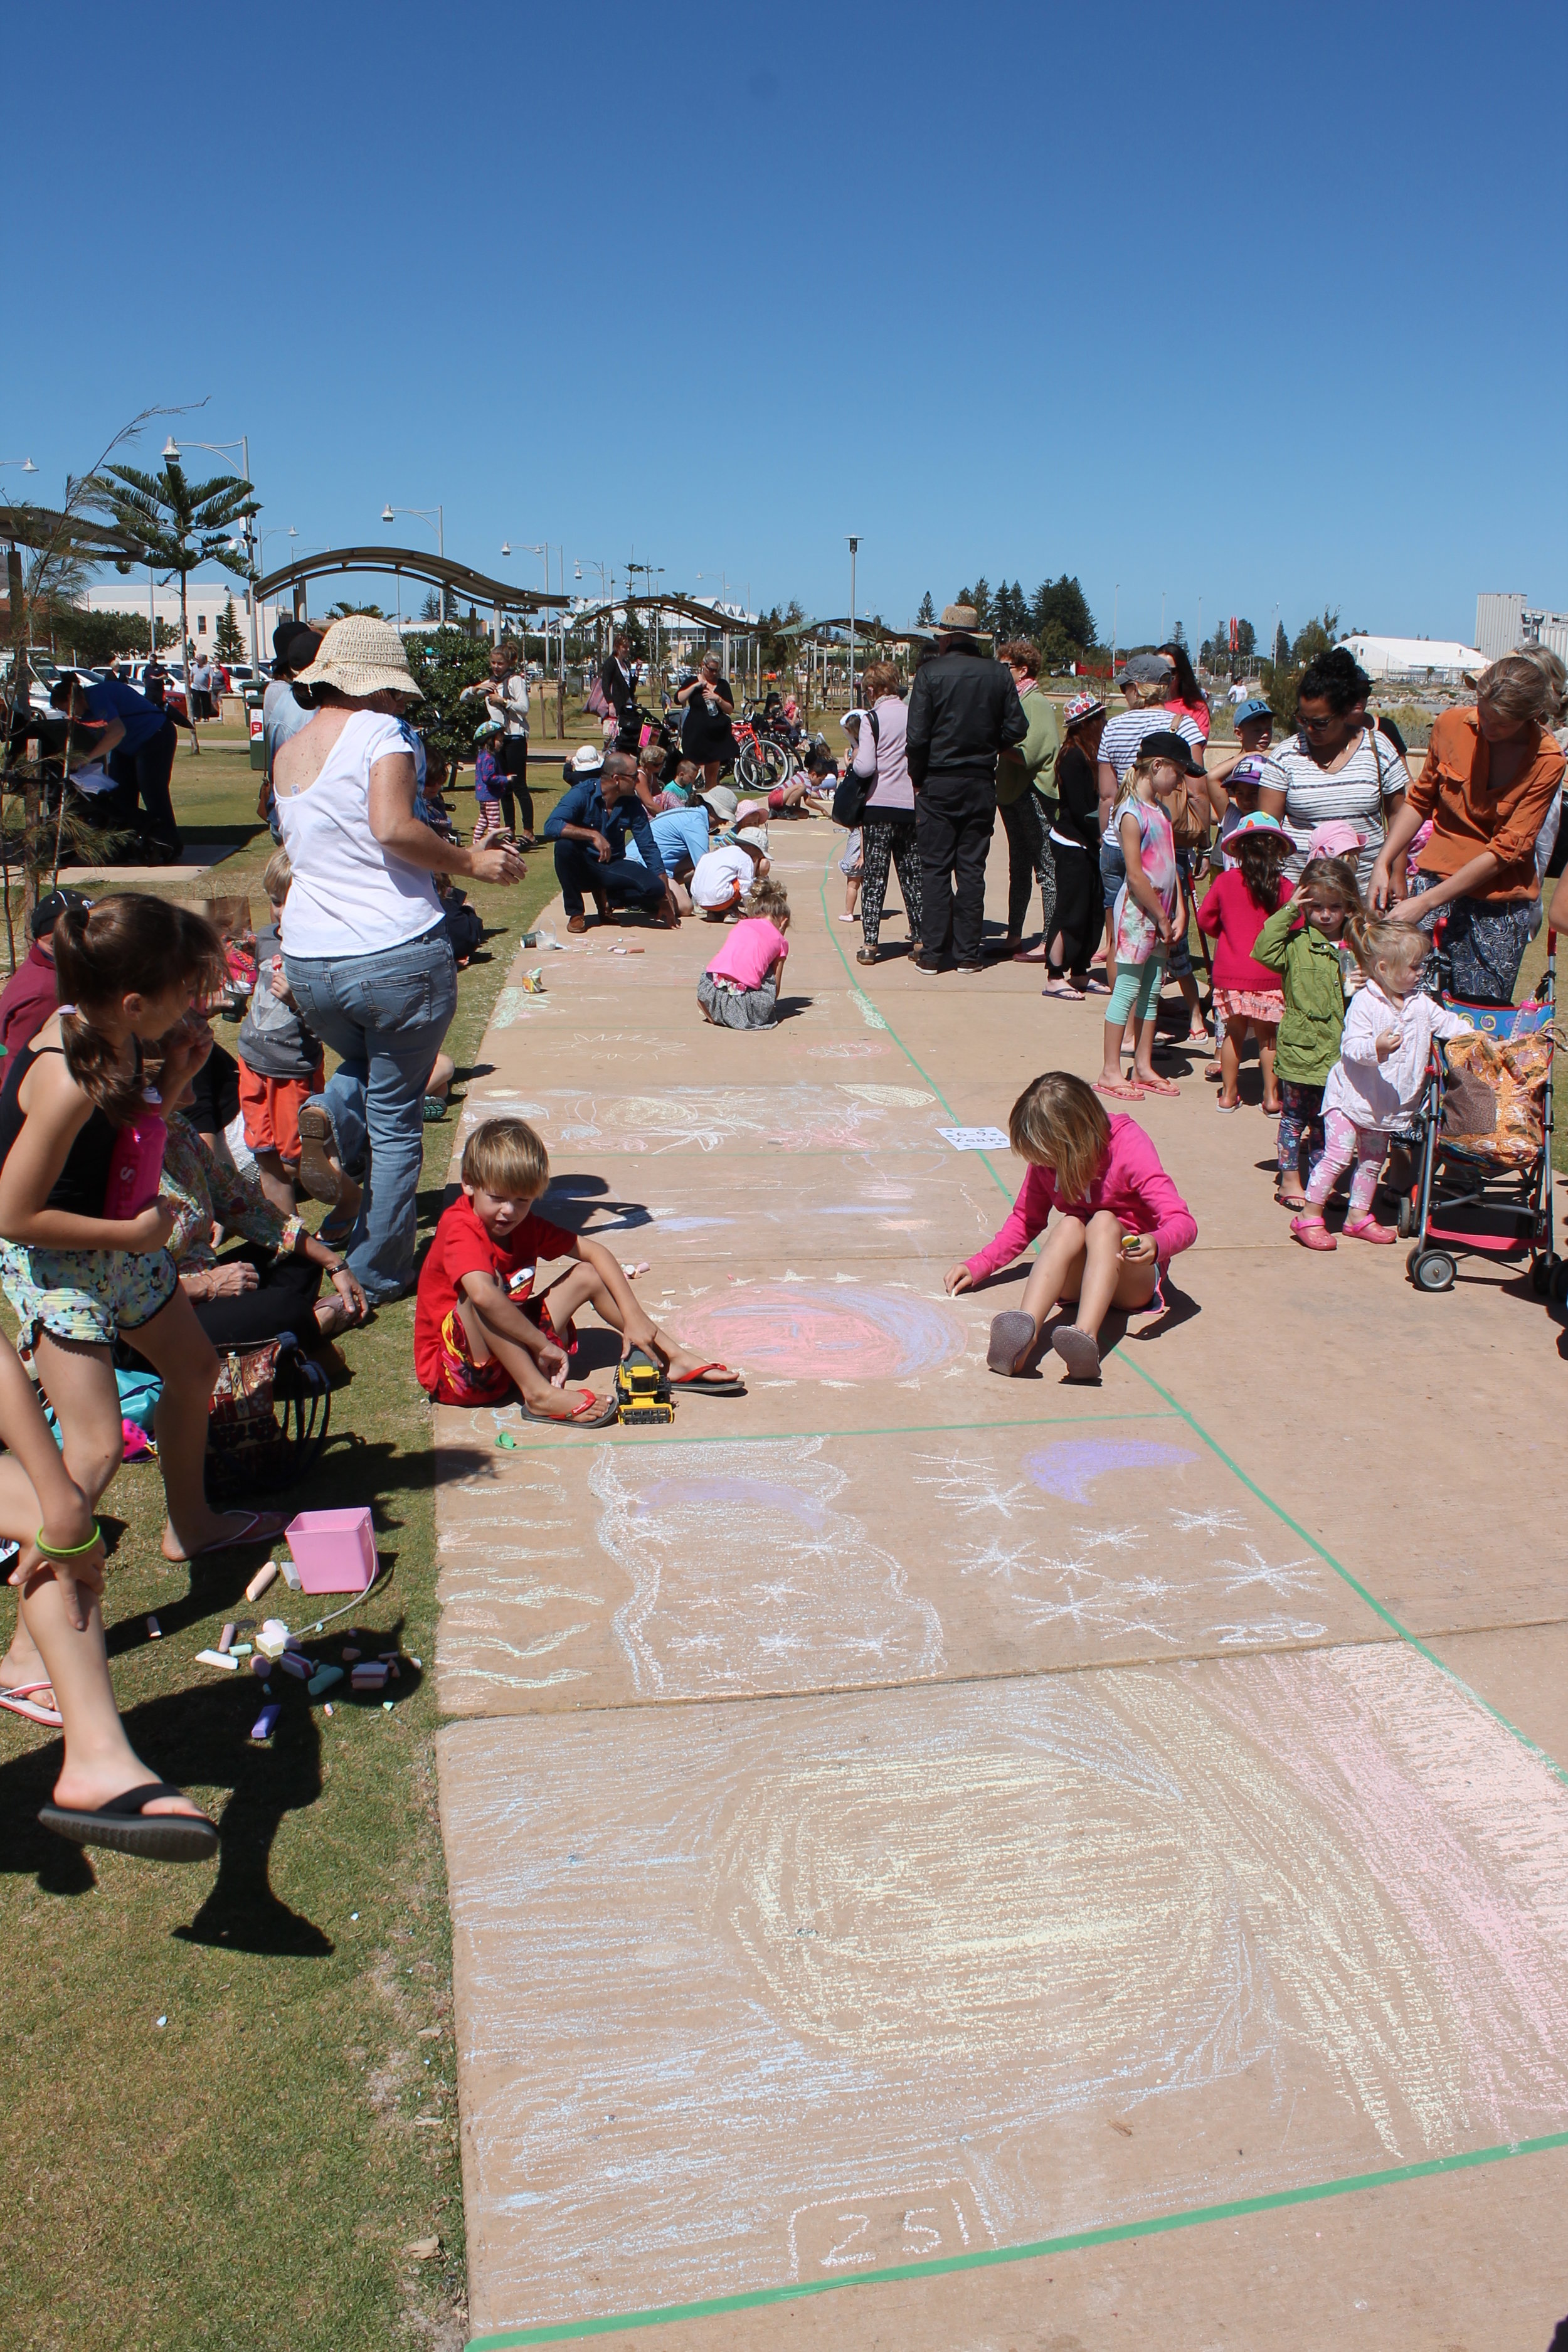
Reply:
x=125 y=1828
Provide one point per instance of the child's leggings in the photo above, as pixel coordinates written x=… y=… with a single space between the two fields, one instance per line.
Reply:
x=1301 y=1121
x=1137 y=990
x=1343 y=1142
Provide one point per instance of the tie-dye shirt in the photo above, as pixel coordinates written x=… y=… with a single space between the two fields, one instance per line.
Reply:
x=1134 y=933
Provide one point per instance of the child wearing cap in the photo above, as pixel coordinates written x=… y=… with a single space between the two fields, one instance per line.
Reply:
x=1247 y=994
x=488 y=785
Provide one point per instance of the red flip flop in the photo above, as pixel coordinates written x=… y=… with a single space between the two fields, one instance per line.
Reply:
x=1158 y=1087
x=594 y=1412
x=696 y=1383
x=1119 y=1094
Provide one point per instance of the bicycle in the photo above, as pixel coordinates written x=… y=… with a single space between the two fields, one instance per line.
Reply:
x=761 y=763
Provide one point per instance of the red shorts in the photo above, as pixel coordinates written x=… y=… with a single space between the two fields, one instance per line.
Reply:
x=272 y=1107
x=462 y=1381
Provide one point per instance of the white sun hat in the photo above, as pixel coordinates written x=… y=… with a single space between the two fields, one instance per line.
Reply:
x=361 y=656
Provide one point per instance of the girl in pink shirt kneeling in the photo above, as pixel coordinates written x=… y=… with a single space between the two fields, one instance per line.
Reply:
x=739 y=988
x=1119 y=1223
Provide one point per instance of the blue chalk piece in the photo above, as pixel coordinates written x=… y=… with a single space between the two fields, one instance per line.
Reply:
x=323 y=1680
x=266 y=1723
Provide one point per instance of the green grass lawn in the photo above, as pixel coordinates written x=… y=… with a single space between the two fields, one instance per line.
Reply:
x=230 y=2094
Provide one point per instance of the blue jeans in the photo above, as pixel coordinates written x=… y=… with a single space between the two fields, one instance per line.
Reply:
x=622 y=879
x=385 y=1014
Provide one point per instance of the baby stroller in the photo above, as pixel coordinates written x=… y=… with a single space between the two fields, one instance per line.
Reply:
x=1482 y=1141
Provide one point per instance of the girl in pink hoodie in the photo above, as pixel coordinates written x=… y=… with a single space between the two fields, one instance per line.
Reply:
x=1119 y=1223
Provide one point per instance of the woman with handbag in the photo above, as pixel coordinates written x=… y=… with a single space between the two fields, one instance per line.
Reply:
x=706 y=734
x=1335 y=768
x=887 y=813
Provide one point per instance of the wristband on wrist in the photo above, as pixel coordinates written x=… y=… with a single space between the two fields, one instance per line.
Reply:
x=69 y=1551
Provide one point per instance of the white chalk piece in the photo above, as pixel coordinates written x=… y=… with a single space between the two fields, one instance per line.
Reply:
x=327 y=1708
x=154 y=1629
x=387 y=1707
x=419 y=1663
x=264 y=1576
x=290 y=1574
x=273 y=1638
x=240 y=1649
x=226 y=1639
x=219 y=1658
x=974 y=1138
x=160 y=2021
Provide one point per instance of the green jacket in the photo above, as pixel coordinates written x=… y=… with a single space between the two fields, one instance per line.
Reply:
x=1308 y=1041
x=1033 y=760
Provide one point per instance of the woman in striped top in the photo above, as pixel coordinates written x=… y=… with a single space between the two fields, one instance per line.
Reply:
x=1335 y=767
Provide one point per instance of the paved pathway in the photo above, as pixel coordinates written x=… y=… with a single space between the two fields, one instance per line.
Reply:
x=904 y=1817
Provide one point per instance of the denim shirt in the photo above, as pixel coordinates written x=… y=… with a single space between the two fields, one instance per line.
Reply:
x=584 y=805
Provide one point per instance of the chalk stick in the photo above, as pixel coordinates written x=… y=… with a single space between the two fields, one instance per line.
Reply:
x=260 y=1665
x=266 y=1723
x=273 y=1638
x=266 y=1575
x=291 y=1663
x=240 y=1649
x=290 y=1573
x=350 y=1653
x=323 y=1680
x=327 y=1708
x=226 y=1639
x=155 y=1630
x=219 y=1658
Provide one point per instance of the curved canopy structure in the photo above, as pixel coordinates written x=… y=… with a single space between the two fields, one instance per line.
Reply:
x=477 y=586
x=30 y=526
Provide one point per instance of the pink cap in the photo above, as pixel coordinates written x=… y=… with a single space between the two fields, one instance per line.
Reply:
x=1336 y=839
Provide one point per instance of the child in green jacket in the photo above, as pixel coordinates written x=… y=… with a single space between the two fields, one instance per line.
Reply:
x=1302 y=941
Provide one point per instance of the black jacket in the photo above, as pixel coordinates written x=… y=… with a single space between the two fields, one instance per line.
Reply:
x=620 y=691
x=962 y=707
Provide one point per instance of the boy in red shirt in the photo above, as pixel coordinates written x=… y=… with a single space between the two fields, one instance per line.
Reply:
x=481 y=1327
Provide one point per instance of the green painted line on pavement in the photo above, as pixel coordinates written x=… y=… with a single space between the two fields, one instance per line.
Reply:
x=996 y=2257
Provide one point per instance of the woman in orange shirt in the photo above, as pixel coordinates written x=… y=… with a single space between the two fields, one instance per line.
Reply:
x=1491 y=775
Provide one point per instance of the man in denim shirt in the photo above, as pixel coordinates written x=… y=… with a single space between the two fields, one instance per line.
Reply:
x=589 y=825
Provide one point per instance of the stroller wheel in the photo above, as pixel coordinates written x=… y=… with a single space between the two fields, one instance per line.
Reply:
x=1540 y=1275
x=1557 y=1285
x=1407 y=1217
x=1431 y=1270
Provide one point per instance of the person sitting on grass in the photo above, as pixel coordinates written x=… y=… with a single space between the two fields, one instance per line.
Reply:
x=1119 y=1223
x=483 y=1327
x=589 y=825
x=739 y=988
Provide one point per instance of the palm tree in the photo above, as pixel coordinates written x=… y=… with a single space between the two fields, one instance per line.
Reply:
x=182 y=524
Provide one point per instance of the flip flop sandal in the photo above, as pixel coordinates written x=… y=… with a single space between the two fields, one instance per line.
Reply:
x=1273 y=1111
x=1159 y=1087
x=1010 y=1334
x=1120 y=1094
x=1079 y=1351
x=696 y=1383
x=1224 y=1105
x=20 y=1700
x=1297 y=1200
x=125 y=1828
x=1029 y=955
x=594 y=1412
x=251 y=1532
x=1096 y=988
x=1069 y=995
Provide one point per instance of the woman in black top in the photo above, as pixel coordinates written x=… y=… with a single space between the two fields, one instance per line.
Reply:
x=1075 y=847
x=706 y=734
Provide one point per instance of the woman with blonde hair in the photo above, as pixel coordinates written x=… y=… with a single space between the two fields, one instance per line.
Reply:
x=706 y=734
x=1492 y=776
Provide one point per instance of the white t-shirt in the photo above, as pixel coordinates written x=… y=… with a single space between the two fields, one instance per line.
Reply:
x=348 y=896
x=506 y=702
x=714 y=876
x=1353 y=794
x=1125 y=733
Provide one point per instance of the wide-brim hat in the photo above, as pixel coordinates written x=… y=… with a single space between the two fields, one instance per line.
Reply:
x=962 y=619
x=360 y=656
x=1081 y=708
x=586 y=759
x=722 y=801
x=1260 y=821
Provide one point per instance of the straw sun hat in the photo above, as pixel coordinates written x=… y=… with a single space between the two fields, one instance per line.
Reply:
x=361 y=656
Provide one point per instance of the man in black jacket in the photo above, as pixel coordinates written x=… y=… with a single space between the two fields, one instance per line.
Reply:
x=618 y=681
x=964 y=707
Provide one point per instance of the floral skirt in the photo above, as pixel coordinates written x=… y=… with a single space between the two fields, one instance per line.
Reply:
x=91 y=1296
x=1239 y=1004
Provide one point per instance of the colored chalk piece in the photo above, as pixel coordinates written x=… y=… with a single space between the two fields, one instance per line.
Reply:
x=350 y=1653
x=504 y=1437
x=289 y=1574
x=273 y=1638
x=241 y=1649
x=226 y=1639
x=266 y=1722
x=323 y=1680
x=292 y=1664
x=154 y=1629
x=260 y=1665
x=264 y=1576
x=327 y=1708
x=219 y=1658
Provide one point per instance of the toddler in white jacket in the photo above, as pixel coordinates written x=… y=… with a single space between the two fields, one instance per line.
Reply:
x=1376 y=1084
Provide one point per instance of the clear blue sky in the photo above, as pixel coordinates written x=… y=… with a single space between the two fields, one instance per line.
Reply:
x=1245 y=304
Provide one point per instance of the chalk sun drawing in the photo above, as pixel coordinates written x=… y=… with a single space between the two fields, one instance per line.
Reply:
x=743 y=1575
x=807 y=1330
x=1070 y=1468
x=796 y=1118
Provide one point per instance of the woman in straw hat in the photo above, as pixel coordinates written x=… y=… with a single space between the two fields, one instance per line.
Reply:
x=365 y=943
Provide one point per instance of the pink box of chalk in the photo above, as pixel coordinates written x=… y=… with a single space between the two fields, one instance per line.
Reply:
x=334 y=1551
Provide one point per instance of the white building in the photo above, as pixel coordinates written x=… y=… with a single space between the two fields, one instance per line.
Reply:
x=1505 y=622
x=1440 y=661
x=205 y=601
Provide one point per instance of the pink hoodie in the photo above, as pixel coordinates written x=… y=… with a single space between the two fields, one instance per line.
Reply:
x=1131 y=1182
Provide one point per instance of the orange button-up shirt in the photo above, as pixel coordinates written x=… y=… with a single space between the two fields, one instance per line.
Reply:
x=1469 y=817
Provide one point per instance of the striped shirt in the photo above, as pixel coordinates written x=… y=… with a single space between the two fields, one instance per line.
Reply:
x=1123 y=734
x=1353 y=794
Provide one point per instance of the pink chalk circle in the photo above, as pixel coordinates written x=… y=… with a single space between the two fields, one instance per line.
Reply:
x=813 y=1331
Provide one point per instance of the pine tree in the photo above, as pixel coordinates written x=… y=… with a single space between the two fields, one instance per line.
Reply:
x=981 y=600
x=1179 y=635
x=227 y=643
x=926 y=616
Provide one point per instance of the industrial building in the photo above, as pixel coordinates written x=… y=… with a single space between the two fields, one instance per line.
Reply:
x=1440 y=660
x=1503 y=622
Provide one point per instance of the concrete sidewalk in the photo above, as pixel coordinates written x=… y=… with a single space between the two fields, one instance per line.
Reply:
x=1081 y=1848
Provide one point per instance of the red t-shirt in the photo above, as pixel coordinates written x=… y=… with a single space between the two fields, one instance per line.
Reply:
x=461 y=1246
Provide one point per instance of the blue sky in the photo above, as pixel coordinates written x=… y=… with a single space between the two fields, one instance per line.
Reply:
x=1250 y=305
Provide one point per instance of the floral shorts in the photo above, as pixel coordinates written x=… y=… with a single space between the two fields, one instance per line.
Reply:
x=91 y=1296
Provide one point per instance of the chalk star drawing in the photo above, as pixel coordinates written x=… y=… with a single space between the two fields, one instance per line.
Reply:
x=1289 y=1576
x=1207 y=1523
x=995 y=1559
x=1111 y=1539
x=970 y=1485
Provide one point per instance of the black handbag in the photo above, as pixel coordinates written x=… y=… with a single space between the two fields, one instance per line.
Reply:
x=853 y=791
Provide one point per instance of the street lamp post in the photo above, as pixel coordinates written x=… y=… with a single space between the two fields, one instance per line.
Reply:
x=273 y=530
x=25 y=464
x=435 y=516
x=854 y=551
x=221 y=450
